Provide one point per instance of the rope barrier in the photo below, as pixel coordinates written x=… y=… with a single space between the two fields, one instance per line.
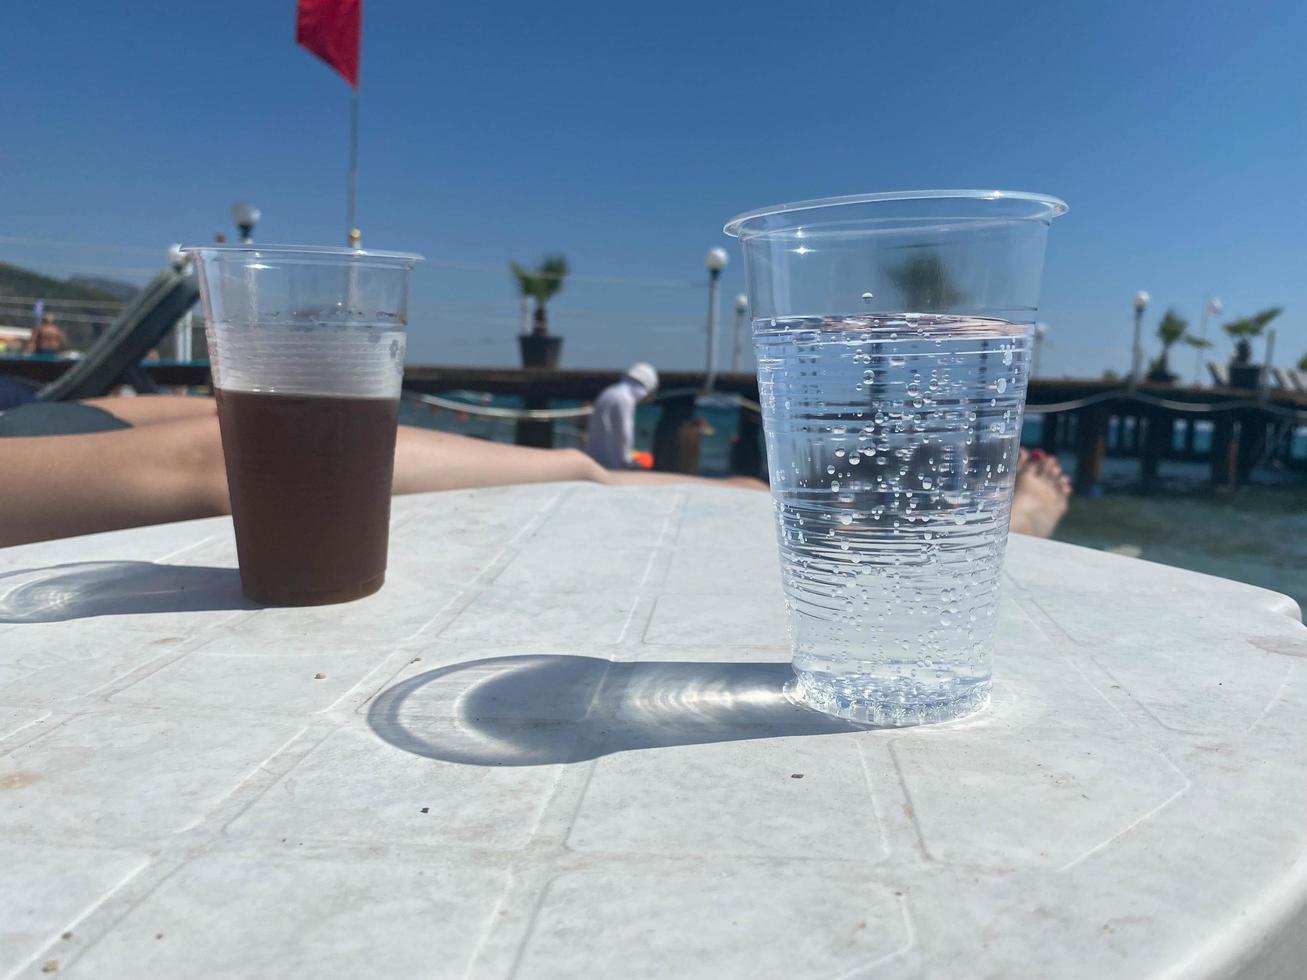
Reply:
x=739 y=400
x=550 y=414
x=1054 y=408
x=1125 y=394
x=494 y=412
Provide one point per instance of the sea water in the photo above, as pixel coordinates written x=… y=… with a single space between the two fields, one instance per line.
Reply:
x=892 y=441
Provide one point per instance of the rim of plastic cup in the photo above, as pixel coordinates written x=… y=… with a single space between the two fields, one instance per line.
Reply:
x=1052 y=206
x=305 y=252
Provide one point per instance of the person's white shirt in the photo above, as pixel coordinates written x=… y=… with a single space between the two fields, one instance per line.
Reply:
x=612 y=424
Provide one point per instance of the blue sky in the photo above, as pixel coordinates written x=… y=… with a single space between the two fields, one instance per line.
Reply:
x=625 y=134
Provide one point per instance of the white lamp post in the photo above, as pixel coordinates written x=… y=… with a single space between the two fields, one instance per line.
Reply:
x=1264 y=382
x=715 y=261
x=741 y=308
x=1040 y=330
x=246 y=216
x=1212 y=307
x=1141 y=304
x=181 y=338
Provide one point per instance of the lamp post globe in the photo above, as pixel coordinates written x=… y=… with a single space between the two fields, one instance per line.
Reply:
x=246 y=216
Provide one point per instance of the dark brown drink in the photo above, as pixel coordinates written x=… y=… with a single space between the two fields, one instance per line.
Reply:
x=310 y=481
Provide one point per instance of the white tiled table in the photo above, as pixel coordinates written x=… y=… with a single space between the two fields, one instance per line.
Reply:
x=555 y=746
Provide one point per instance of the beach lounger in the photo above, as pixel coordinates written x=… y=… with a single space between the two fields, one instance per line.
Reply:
x=1220 y=374
x=115 y=357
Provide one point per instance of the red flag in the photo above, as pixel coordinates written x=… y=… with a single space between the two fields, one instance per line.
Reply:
x=331 y=29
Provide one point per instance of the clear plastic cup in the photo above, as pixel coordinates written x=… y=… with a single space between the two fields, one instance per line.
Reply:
x=892 y=334
x=306 y=347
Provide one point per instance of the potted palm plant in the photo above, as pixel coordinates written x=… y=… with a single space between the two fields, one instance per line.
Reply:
x=1243 y=372
x=1173 y=329
x=1169 y=331
x=540 y=348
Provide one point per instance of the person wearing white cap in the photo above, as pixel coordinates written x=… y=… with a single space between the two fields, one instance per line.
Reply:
x=612 y=423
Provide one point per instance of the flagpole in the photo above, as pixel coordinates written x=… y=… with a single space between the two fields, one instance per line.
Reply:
x=353 y=165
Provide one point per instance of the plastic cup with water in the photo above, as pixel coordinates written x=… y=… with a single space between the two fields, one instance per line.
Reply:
x=306 y=347
x=892 y=334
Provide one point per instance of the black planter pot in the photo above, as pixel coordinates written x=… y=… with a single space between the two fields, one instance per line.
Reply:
x=1162 y=377
x=1245 y=375
x=540 y=350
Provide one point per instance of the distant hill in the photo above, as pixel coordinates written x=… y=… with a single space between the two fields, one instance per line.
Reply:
x=113 y=287
x=17 y=281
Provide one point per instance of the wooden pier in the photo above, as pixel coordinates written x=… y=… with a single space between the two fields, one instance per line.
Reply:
x=1093 y=420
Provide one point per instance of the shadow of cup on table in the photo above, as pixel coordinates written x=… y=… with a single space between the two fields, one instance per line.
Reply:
x=82 y=590
x=547 y=709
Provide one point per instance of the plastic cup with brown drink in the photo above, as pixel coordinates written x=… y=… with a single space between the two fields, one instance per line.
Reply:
x=306 y=347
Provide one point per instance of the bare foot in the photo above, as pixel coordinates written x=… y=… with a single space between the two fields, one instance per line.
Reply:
x=1041 y=494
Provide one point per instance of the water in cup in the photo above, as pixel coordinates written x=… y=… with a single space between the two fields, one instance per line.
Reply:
x=892 y=441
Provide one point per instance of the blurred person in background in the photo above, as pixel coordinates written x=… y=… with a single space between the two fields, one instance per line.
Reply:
x=46 y=337
x=611 y=438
